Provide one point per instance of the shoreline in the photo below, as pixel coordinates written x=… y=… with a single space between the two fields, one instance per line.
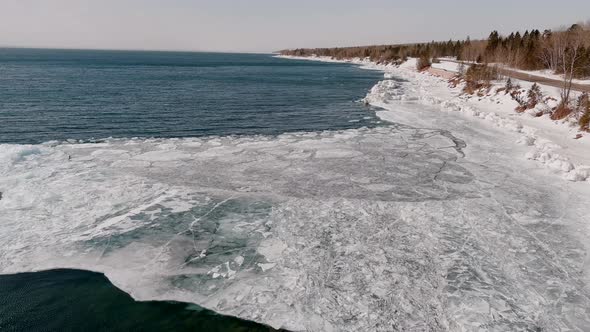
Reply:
x=395 y=202
x=552 y=144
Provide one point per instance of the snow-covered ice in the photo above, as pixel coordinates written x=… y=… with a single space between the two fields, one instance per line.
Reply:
x=370 y=229
x=551 y=143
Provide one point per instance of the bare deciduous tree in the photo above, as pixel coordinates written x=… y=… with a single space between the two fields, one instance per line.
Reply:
x=550 y=52
x=569 y=44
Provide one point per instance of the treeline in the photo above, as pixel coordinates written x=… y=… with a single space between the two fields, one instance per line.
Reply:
x=385 y=53
x=562 y=51
x=558 y=51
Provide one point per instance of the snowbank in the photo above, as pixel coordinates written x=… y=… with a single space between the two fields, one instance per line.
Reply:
x=546 y=73
x=552 y=144
x=447 y=65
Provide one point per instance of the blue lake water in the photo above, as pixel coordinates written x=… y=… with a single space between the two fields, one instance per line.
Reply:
x=73 y=300
x=57 y=95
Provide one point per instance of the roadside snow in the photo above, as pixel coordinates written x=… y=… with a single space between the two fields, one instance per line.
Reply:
x=552 y=143
x=450 y=64
x=546 y=73
x=447 y=65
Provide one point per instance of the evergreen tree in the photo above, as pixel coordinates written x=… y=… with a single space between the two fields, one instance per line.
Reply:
x=516 y=41
x=530 y=58
x=492 y=46
x=533 y=50
x=509 y=86
x=547 y=34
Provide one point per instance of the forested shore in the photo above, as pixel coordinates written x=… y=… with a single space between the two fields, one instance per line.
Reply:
x=564 y=51
x=532 y=50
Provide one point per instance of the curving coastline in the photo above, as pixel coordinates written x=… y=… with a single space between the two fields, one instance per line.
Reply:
x=400 y=227
x=557 y=145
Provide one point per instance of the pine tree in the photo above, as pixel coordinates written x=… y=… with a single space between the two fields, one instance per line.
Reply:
x=511 y=37
x=516 y=41
x=509 y=86
x=547 y=34
x=534 y=96
x=493 y=40
x=525 y=37
x=530 y=59
x=492 y=46
x=457 y=49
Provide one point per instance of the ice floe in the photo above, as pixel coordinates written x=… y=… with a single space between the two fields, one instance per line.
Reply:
x=389 y=228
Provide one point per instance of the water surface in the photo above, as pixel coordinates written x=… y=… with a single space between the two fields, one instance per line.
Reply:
x=73 y=300
x=58 y=95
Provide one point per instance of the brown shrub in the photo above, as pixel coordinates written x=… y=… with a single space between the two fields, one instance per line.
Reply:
x=522 y=104
x=534 y=96
x=477 y=78
x=561 y=112
x=479 y=72
x=550 y=99
x=585 y=121
x=471 y=87
x=584 y=106
x=423 y=63
x=509 y=86
x=453 y=82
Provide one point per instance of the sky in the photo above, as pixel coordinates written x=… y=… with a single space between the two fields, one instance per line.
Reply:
x=268 y=25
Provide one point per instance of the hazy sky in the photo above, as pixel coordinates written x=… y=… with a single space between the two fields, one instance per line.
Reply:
x=268 y=25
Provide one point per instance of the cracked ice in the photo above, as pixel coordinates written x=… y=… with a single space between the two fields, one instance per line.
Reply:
x=389 y=228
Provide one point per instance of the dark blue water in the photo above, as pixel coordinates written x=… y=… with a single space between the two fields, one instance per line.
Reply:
x=72 y=300
x=57 y=95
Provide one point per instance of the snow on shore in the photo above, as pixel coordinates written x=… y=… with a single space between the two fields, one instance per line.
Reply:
x=551 y=143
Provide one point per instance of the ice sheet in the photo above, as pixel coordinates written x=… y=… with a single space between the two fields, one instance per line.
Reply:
x=390 y=228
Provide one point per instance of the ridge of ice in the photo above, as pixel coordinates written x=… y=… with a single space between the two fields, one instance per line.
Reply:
x=421 y=87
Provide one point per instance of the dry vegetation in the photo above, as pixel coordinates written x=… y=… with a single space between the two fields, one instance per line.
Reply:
x=583 y=111
x=423 y=63
x=479 y=77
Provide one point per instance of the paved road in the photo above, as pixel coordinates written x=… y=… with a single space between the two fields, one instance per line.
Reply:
x=535 y=78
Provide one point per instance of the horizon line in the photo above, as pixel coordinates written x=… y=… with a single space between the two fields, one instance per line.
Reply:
x=127 y=50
